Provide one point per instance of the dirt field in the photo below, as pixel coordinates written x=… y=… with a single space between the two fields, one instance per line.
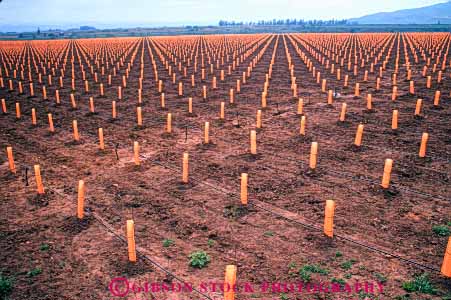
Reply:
x=380 y=235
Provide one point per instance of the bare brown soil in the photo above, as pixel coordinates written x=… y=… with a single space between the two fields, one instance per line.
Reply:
x=268 y=241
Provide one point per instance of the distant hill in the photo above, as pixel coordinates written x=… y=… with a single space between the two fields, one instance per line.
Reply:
x=434 y=14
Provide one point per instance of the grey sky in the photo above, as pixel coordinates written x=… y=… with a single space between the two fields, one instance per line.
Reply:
x=179 y=12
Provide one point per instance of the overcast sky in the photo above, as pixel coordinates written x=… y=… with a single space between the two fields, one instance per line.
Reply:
x=187 y=12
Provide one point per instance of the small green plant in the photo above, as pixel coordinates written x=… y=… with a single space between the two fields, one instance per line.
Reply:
x=283 y=296
x=44 y=247
x=211 y=243
x=347 y=265
x=338 y=254
x=168 y=243
x=340 y=281
x=292 y=265
x=34 y=272
x=268 y=233
x=305 y=272
x=316 y=269
x=199 y=259
x=442 y=230
x=380 y=277
x=6 y=286
x=306 y=276
x=348 y=276
x=420 y=284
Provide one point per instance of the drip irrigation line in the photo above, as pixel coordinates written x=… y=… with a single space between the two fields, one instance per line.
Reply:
x=146 y=257
x=310 y=226
x=105 y=224
x=366 y=179
x=337 y=173
x=343 y=237
x=372 y=180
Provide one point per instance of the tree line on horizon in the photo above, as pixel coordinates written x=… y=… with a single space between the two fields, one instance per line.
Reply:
x=286 y=22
